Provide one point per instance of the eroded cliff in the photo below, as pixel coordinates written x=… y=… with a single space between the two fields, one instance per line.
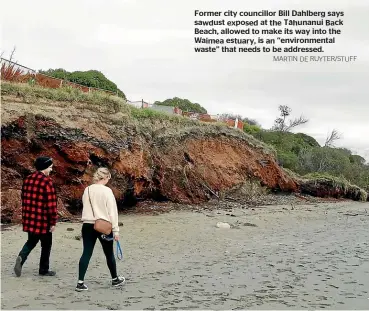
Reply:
x=151 y=157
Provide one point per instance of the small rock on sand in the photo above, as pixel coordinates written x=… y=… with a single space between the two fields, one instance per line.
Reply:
x=223 y=225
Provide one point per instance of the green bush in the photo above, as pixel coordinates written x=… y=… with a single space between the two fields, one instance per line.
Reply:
x=90 y=78
x=183 y=104
x=302 y=154
x=287 y=160
x=251 y=129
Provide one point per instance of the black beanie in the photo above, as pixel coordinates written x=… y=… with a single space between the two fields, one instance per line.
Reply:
x=42 y=163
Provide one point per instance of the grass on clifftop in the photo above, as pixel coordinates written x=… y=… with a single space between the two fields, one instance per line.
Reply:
x=160 y=125
x=31 y=93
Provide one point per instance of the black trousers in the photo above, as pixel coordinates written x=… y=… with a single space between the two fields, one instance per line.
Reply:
x=89 y=236
x=46 y=243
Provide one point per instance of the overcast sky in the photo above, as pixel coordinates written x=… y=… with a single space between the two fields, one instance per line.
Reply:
x=146 y=48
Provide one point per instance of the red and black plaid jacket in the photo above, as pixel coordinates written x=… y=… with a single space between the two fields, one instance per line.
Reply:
x=39 y=211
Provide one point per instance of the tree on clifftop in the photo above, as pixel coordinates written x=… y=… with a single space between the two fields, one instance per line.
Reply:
x=183 y=104
x=90 y=78
x=331 y=138
x=280 y=124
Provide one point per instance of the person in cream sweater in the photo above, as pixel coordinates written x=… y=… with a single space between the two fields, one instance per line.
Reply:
x=99 y=202
x=104 y=205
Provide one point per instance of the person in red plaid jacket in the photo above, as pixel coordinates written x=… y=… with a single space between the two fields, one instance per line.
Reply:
x=39 y=215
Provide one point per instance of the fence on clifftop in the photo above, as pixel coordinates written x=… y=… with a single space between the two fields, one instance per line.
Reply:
x=15 y=72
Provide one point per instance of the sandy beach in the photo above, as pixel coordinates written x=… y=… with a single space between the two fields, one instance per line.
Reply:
x=313 y=256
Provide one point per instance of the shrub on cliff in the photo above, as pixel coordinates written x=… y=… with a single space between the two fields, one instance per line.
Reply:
x=251 y=129
x=288 y=145
x=183 y=104
x=337 y=162
x=90 y=78
x=302 y=154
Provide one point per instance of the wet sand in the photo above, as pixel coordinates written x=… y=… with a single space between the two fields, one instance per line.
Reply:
x=314 y=256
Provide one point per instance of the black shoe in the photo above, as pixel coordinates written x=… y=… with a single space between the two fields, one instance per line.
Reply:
x=81 y=287
x=48 y=273
x=120 y=280
x=18 y=266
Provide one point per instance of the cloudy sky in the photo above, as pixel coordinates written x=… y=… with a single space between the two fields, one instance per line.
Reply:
x=147 y=48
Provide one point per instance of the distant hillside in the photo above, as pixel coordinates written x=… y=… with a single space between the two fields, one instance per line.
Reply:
x=90 y=78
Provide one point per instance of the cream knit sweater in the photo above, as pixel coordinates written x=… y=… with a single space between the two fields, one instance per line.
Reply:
x=104 y=205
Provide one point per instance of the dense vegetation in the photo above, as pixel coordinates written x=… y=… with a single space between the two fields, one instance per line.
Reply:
x=183 y=104
x=304 y=155
x=90 y=78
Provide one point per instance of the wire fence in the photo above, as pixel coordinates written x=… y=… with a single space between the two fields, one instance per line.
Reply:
x=14 y=72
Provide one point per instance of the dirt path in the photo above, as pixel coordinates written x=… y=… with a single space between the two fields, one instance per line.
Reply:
x=312 y=257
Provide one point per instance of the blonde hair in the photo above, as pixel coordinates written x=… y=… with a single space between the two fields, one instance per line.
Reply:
x=100 y=174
